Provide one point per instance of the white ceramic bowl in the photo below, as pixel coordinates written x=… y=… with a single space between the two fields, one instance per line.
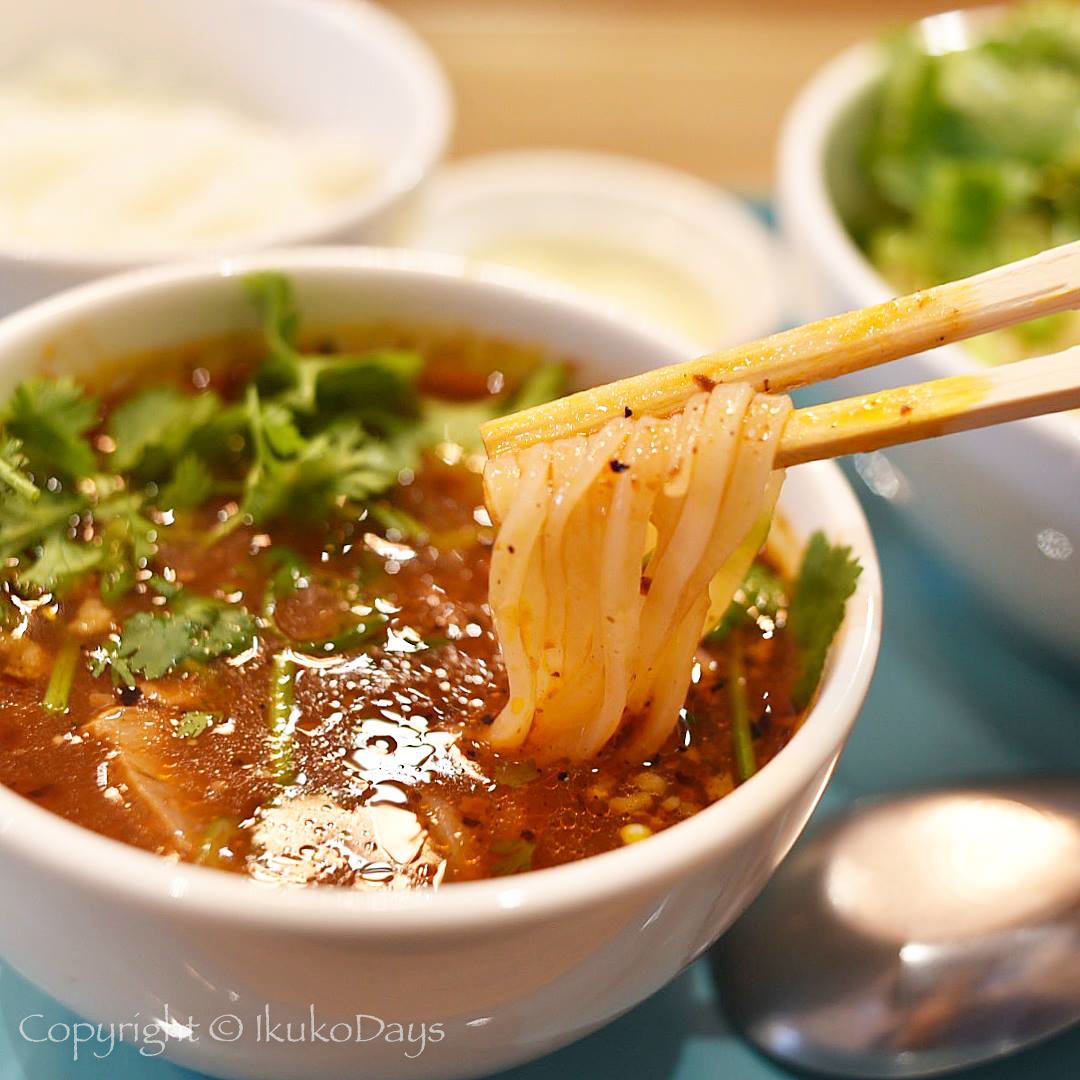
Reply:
x=345 y=65
x=1000 y=503
x=703 y=240
x=509 y=968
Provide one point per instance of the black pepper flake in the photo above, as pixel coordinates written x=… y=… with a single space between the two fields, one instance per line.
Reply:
x=510 y=548
x=129 y=695
x=471 y=822
x=618 y=466
x=487 y=718
x=528 y=834
x=765 y=385
x=627 y=411
x=564 y=775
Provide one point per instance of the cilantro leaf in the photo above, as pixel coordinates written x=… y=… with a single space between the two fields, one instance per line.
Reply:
x=61 y=561
x=191 y=485
x=368 y=385
x=543 y=384
x=290 y=568
x=128 y=542
x=25 y=523
x=153 y=643
x=399 y=524
x=193 y=724
x=12 y=463
x=193 y=628
x=51 y=418
x=827 y=578
x=272 y=295
x=352 y=637
x=457 y=422
x=153 y=428
x=460 y=421
x=339 y=465
x=761 y=593
x=515 y=856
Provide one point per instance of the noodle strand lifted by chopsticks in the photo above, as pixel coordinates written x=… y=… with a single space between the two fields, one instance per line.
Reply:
x=601 y=571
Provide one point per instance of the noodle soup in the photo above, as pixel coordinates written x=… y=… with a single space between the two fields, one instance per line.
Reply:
x=246 y=621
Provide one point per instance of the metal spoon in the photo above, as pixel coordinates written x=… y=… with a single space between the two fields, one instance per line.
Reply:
x=916 y=935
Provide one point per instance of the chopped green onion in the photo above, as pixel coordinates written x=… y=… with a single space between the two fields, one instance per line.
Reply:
x=58 y=692
x=745 y=758
x=217 y=835
x=282 y=693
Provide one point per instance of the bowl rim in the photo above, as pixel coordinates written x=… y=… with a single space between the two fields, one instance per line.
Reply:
x=64 y=851
x=808 y=208
x=624 y=182
x=373 y=27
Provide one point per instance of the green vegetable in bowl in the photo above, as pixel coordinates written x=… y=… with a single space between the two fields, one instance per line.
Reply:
x=971 y=159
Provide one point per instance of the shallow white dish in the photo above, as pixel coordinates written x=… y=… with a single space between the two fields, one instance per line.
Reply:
x=509 y=968
x=344 y=65
x=1000 y=503
x=635 y=238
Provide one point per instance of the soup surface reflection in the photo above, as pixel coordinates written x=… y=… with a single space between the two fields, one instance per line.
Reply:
x=343 y=743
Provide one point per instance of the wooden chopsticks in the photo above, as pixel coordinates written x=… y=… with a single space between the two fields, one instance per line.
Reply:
x=926 y=410
x=1017 y=292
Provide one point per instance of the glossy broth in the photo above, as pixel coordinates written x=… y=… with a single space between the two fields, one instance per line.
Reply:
x=377 y=774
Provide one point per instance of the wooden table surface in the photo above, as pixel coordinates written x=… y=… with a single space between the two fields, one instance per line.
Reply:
x=700 y=84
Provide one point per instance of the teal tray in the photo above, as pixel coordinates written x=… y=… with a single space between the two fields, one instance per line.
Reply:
x=956 y=694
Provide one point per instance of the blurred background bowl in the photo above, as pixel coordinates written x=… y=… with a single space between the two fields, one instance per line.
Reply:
x=1001 y=504
x=342 y=66
x=643 y=241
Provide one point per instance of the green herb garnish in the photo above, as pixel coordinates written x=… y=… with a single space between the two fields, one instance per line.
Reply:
x=58 y=692
x=515 y=774
x=153 y=429
x=12 y=470
x=26 y=523
x=312 y=434
x=827 y=578
x=515 y=856
x=59 y=561
x=191 y=629
x=217 y=836
x=280 y=717
x=969 y=158
x=193 y=724
x=741 y=733
x=762 y=594
x=50 y=417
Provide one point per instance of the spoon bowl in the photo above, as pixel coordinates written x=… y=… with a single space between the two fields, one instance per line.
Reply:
x=916 y=935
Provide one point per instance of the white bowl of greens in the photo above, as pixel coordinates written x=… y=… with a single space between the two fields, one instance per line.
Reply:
x=949 y=148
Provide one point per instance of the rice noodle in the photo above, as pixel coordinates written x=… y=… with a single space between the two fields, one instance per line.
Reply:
x=608 y=549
